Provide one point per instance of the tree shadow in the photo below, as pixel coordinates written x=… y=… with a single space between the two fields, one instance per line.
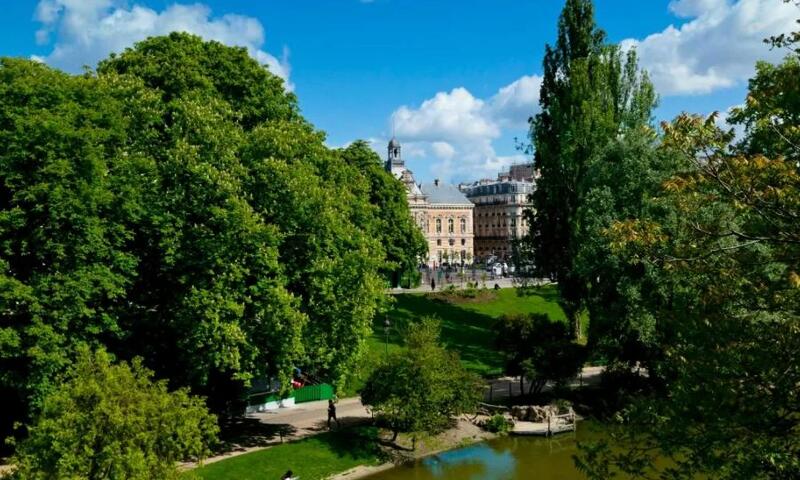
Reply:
x=237 y=434
x=354 y=439
x=344 y=424
x=465 y=331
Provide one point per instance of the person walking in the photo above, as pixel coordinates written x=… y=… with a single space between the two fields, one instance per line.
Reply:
x=332 y=414
x=433 y=284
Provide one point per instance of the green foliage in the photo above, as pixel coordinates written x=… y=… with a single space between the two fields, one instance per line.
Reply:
x=176 y=206
x=538 y=348
x=420 y=389
x=591 y=93
x=771 y=112
x=109 y=420
x=723 y=235
x=401 y=238
x=497 y=424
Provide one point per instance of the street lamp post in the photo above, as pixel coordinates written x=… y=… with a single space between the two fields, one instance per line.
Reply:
x=386 y=325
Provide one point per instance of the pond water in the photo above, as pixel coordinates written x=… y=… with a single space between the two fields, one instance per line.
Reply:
x=506 y=458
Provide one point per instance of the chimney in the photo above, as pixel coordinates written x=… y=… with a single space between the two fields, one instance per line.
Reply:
x=436 y=182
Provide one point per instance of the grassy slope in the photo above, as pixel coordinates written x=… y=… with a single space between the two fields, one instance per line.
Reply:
x=466 y=327
x=312 y=458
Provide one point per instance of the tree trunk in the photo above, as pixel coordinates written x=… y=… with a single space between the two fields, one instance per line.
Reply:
x=394 y=437
x=521 y=385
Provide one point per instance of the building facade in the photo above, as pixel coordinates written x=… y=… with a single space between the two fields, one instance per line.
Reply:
x=498 y=213
x=441 y=211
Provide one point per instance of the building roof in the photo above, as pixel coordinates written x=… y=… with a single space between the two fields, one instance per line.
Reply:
x=393 y=143
x=439 y=192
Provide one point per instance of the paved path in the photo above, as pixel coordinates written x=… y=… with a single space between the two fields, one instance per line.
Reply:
x=310 y=418
x=505 y=387
x=502 y=282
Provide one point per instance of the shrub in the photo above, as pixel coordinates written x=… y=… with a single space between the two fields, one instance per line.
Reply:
x=497 y=424
x=110 y=420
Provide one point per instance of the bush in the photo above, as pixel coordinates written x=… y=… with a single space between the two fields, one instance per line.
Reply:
x=540 y=349
x=421 y=388
x=110 y=420
x=497 y=424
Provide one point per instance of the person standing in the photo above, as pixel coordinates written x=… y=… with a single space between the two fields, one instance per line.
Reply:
x=332 y=414
x=433 y=284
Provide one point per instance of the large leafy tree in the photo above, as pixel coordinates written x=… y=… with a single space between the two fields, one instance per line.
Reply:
x=188 y=215
x=396 y=231
x=591 y=93
x=538 y=348
x=109 y=420
x=726 y=246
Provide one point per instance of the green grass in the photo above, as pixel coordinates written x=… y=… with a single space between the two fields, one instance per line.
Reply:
x=466 y=326
x=312 y=458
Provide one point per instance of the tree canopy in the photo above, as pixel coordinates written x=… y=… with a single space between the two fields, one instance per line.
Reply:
x=176 y=206
x=591 y=93
x=421 y=388
x=109 y=420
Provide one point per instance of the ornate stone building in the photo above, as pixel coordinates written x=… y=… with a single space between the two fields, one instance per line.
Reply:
x=440 y=210
x=498 y=210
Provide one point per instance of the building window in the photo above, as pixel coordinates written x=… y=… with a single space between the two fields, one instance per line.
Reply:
x=463 y=225
x=463 y=241
x=463 y=254
x=450 y=227
x=452 y=242
x=439 y=242
x=438 y=225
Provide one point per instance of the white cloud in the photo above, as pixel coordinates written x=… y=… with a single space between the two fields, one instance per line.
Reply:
x=717 y=47
x=86 y=31
x=455 y=130
x=513 y=104
x=443 y=150
x=456 y=115
x=458 y=130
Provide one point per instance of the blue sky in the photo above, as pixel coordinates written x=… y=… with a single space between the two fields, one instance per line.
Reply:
x=456 y=78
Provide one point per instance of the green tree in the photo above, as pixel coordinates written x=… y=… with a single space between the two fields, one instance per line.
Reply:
x=63 y=232
x=189 y=216
x=591 y=93
x=538 y=349
x=400 y=237
x=421 y=388
x=726 y=244
x=771 y=112
x=112 y=421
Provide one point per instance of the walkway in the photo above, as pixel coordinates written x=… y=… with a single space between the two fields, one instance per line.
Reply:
x=263 y=430
x=502 y=282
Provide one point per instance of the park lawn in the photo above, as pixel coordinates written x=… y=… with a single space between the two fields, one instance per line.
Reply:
x=312 y=458
x=466 y=326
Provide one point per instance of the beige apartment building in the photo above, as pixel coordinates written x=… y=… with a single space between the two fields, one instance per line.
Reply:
x=498 y=213
x=441 y=211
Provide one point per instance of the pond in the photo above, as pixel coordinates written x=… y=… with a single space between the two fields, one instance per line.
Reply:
x=504 y=458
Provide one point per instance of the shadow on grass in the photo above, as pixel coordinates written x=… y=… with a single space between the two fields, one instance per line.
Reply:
x=237 y=434
x=357 y=439
x=464 y=331
x=344 y=424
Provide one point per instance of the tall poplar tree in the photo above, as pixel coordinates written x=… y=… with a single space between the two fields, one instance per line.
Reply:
x=591 y=93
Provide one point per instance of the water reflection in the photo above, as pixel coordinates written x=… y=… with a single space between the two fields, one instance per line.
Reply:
x=508 y=458
x=474 y=463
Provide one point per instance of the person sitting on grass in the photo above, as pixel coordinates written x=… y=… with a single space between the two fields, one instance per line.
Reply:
x=289 y=476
